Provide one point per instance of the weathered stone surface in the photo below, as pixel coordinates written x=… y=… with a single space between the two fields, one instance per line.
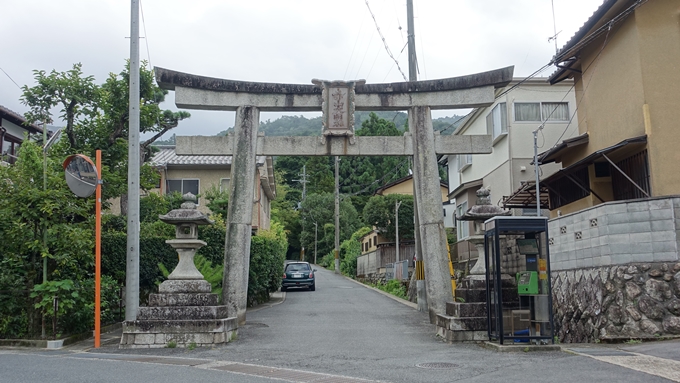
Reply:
x=671 y=325
x=185 y=286
x=183 y=299
x=182 y=312
x=655 y=273
x=616 y=315
x=633 y=313
x=167 y=326
x=458 y=309
x=673 y=306
x=588 y=307
x=649 y=327
x=651 y=309
x=658 y=290
x=632 y=290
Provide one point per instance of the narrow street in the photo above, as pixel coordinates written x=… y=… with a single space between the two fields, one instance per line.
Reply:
x=342 y=332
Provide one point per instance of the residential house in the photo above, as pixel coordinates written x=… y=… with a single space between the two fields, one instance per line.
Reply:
x=624 y=65
x=613 y=236
x=12 y=129
x=403 y=185
x=198 y=174
x=522 y=107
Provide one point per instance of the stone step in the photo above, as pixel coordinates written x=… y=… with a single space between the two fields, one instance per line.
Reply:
x=466 y=310
x=461 y=324
x=185 y=286
x=462 y=336
x=509 y=295
x=182 y=299
x=182 y=313
x=179 y=326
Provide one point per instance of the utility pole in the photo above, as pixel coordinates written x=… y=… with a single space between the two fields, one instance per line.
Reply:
x=396 y=226
x=303 y=181
x=413 y=76
x=316 y=230
x=538 y=189
x=337 y=215
x=412 y=61
x=132 y=268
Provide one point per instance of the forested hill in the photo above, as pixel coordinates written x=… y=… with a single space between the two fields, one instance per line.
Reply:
x=303 y=126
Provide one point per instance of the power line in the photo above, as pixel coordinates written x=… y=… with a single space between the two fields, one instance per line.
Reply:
x=10 y=77
x=387 y=48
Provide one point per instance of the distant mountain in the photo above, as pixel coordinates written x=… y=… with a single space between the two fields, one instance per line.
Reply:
x=302 y=126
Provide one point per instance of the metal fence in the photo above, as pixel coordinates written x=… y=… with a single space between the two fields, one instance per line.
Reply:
x=371 y=263
x=397 y=270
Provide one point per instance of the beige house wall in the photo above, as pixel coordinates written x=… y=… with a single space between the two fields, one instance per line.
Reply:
x=406 y=187
x=629 y=91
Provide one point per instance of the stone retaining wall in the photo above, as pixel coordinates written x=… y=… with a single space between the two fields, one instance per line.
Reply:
x=634 y=301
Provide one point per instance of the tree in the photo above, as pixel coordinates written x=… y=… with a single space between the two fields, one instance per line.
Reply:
x=380 y=212
x=318 y=208
x=96 y=117
x=29 y=213
x=360 y=176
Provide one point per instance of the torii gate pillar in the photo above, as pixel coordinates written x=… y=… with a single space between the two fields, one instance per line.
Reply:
x=240 y=213
x=428 y=198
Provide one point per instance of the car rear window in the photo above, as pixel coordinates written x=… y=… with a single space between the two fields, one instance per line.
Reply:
x=297 y=267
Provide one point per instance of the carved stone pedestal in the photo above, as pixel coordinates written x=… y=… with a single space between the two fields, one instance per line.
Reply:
x=183 y=313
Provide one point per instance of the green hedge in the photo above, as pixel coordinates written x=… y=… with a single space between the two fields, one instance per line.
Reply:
x=266 y=267
x=267 y=255
x=152 y=251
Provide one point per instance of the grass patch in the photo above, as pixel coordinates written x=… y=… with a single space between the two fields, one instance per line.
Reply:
x=393 y=287
x=171 y=344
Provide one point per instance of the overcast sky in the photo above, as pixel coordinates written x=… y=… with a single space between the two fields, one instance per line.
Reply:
x=289 y=41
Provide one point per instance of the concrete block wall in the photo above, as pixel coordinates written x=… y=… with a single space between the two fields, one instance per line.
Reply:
x=616 y=233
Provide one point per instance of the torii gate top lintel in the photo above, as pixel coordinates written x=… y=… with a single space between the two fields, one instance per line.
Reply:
x=224 y=94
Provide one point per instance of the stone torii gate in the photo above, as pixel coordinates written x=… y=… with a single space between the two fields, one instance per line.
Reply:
x=338 y=100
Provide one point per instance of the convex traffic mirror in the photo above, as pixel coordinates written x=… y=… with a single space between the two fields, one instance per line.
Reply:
x=81 y=175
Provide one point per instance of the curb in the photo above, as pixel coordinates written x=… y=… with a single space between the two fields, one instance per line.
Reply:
x=402 y=301
x=59 y=343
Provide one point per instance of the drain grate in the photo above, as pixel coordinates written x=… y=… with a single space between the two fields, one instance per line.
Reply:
x=437 y=365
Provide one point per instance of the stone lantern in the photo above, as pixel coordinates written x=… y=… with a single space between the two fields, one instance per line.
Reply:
x=184 y=312
x=186 y=220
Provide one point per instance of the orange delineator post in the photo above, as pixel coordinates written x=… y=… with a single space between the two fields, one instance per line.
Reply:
x=98 y=254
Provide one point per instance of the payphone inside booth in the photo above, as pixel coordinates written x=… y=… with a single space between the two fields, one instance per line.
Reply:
x=519 y=291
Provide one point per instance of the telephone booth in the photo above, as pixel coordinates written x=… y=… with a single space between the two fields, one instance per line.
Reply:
x=518 y=286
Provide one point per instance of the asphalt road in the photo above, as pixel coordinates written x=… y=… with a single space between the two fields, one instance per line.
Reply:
x=342 y=332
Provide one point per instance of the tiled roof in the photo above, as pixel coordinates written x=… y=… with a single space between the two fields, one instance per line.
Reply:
x=167 y=156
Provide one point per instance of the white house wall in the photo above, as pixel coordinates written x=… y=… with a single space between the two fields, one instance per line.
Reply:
x=13 y=129
x=509 y=163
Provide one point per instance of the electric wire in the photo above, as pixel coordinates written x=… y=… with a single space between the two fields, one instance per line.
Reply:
x=387 y=48
x=10 y=77
x=351 y=56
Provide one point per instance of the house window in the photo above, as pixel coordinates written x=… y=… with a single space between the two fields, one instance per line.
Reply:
x=182 y=186
x=463 y=227
x=569 y=189
x=637 y=168
x=541 y=111
x=464 y=161
x=497 y=121
x=224 y=184
x=10 y=148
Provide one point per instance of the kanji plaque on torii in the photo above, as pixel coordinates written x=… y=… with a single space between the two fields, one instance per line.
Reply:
x=338 y=106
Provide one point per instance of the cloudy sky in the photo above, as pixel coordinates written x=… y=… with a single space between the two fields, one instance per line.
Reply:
x=289 y=41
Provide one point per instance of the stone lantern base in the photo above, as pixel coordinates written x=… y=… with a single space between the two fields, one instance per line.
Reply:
x=183 y=313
